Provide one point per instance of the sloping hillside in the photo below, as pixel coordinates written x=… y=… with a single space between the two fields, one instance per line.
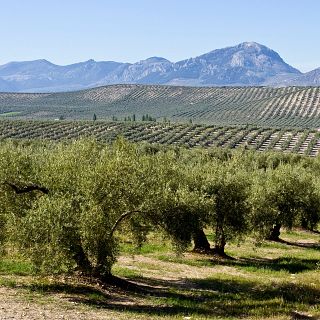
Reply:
x=299 y=141
x=262 y=106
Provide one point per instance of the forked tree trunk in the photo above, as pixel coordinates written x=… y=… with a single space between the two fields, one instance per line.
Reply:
x=275 y=232
x=201 y=243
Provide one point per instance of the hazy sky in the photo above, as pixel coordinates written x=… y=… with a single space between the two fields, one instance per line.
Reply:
x=67 y=31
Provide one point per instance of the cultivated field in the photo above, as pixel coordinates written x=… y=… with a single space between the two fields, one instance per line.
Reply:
x=105 y=231
x=299 y=141
x=261 y=106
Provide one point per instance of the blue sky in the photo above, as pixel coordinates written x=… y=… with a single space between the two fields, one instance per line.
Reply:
x=67 y=31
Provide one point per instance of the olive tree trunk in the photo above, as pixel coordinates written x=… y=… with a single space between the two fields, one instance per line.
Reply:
x=275 y=232
x=81 y=259
x=220 y=241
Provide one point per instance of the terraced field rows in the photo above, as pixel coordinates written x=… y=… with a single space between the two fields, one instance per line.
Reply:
x=286 y=140
x=256 y=106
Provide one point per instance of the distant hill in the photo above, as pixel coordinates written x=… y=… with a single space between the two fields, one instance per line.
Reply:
x=311 y=78
x=247 y=64
x=261 y=106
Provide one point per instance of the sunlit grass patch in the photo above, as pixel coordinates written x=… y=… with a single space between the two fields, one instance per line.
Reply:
x=15 y=267
x=155 y=243
x=126 y=272
x=8 y=282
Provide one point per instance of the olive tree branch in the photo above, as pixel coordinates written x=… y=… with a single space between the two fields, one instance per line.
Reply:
x=27 y=188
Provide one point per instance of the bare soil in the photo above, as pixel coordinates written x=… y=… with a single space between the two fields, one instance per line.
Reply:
x=16 y=304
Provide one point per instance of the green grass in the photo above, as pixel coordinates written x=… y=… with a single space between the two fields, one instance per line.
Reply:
x=268 y=281
x=235 y=297
x=11 y=283
x=154 y=243
x=146 y=248
x=190 y=262
x=126 y=272
x=265 y=282
x=15 y=267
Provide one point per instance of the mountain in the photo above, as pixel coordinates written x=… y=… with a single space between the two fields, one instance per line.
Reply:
x=247 y=64
x=42 y=75
x=5 y=86
x=311 y=78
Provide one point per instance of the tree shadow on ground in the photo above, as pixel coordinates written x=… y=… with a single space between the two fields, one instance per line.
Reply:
x=202 y=297
x=311 y=245
x=289 y=264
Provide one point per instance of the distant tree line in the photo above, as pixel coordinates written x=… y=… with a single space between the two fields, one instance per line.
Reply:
x=145 y=117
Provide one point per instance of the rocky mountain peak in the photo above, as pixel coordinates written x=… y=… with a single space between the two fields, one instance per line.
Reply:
x=248 y=63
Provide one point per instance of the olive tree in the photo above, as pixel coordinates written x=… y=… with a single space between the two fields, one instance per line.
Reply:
x=224 y=182
x=92 y=190
x=228 y=188
x=91 y=187
x=283 y=197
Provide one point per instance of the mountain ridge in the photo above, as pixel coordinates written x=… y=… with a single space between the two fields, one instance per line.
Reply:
x=246 y=64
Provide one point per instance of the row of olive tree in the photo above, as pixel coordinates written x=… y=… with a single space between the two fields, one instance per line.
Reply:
x=63 y=204
x=257 y=194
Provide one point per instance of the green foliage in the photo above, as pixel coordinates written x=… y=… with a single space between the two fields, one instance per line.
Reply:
x=285 y=196
x=90 y=187
x=227 y=186
x=67 y=205
x=147 y=117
